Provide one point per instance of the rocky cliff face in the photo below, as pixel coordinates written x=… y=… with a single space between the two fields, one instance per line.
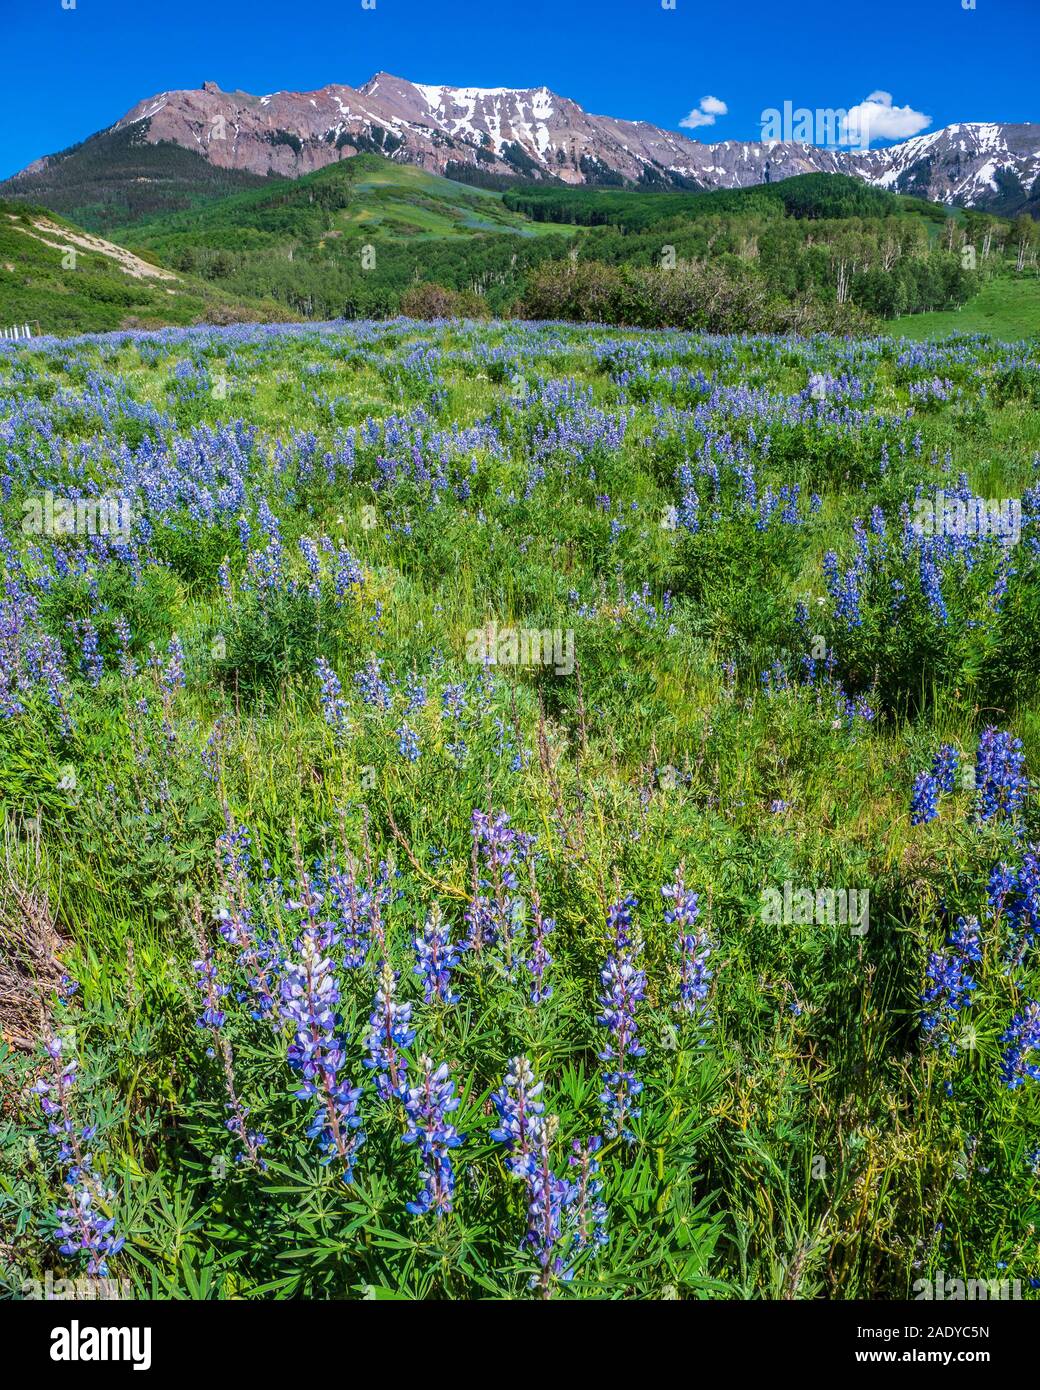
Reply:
x=535 y=133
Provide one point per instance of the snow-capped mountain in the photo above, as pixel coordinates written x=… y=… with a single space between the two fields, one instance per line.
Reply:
x=533 y=132
x=971 y=163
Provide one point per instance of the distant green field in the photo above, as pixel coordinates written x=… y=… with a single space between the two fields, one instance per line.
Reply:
x=403 y=201
x=1008 y=307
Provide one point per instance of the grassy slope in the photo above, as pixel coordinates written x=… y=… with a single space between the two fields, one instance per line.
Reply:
x=366 y=192
x=1007 y=307
x=100 y=290
x=399 y=197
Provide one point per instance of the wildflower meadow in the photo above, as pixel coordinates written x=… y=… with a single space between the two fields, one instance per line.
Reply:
x=519 y=811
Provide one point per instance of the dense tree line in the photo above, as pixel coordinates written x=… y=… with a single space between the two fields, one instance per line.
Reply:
x=808 y=196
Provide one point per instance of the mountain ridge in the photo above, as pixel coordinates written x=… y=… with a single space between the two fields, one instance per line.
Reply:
x=534 y=133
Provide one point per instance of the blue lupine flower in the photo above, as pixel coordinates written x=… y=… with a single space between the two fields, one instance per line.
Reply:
x=389 y=1033
x=373 y=688
x=520 y=1111
x=1014 y=895
x=213 y=1017
x=1000 y=782
x=1022 y=1039
x=522 y=1129
x=590 y=1210
x=333 y=705
x=924 y=804
x=348 y=575
x=453 y=701
x=213 y=991
x=312 y=558
x=408 y=743
x=542 y=927
x=498 y=917
x=309 y=995
x=351 y=911
x=944 y=768
x=90 y=659
x=950 y=984
x=83 y=1225
x=427 y=1105
x=549 y=1196
x=172 y=677
x=415 y=694
x=624 y=986
x=436 y=957
x=127 y=664
x=258 y=955
x=693 y=948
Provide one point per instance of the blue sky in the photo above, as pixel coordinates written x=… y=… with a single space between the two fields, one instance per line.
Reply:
x=71 y=72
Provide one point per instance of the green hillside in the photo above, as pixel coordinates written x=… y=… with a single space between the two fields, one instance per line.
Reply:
x=304 y=241
x=62 y=279
x=352 y=239
x=362 y=194
x=117 y=177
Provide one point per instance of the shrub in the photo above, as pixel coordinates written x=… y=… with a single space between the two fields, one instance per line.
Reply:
x=432 y=301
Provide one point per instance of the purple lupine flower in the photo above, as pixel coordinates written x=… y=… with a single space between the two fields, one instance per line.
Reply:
x=949 y=984
x=436 y=957
x=349 y=907
x=309 y=995
x=1000 y=782
x=257 y=955
x=408 y=743
x=373 y=688
x=500 y=915
x=172 y=677
x=924 y=804
x=522 y=1129
x=453 y=701
x=1022 y=1038
x=90 y=655
x=333 y=705
x=427 y=1105
x=590 y=1215
x=693 y=948
x=213 y=991
x=944 y=768
x=312 y=559
x=415 y=692
x=549 y=1196
x=83 y=1225
x=213 y=1018
x=520 y=1116
x=127 y=664
x=46 y=664
x=389 y=1033
x=1015 y=895
x=624 y=986
x=347 y=575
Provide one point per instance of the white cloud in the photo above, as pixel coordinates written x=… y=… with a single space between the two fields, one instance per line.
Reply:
x=704 y=113
x=876 y=118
